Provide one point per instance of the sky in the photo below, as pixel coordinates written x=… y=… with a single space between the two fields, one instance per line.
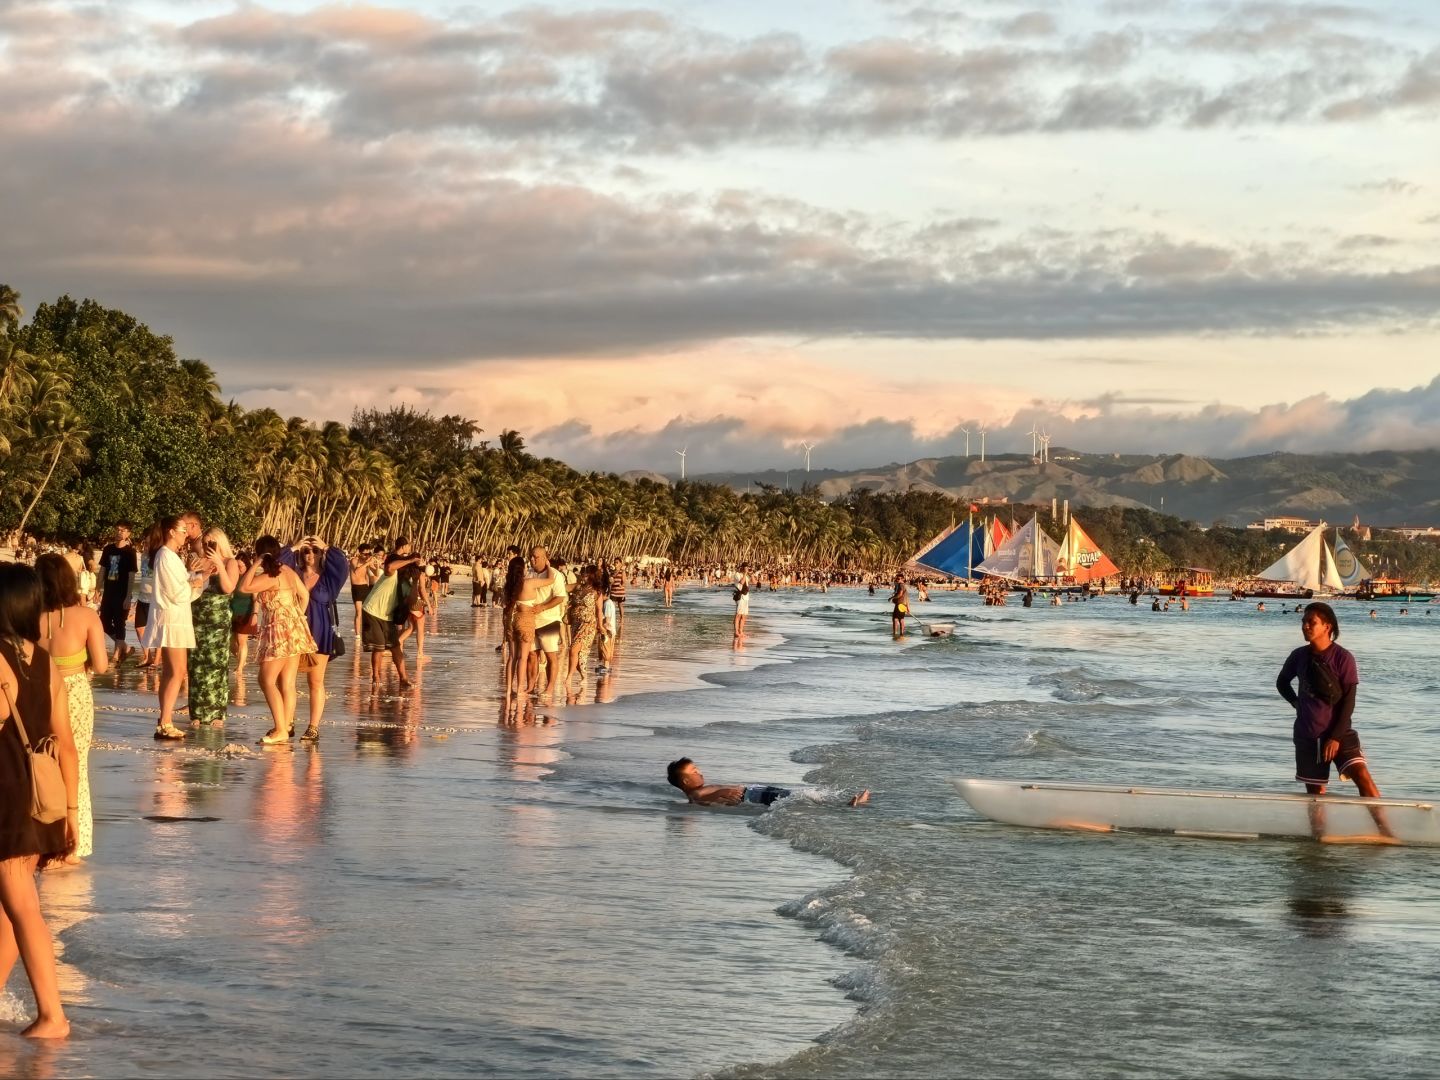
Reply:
x=1162 y=226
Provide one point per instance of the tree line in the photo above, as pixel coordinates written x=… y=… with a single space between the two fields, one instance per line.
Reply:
x=101 y=420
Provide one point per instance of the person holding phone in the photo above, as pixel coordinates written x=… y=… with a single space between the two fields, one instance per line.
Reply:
x=323 y=570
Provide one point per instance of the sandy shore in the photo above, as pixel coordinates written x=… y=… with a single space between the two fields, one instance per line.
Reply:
x=431 y=891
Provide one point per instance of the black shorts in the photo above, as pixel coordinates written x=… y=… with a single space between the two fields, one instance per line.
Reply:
x=114 y=614
x=358 y=593
x=547 y=638
x=142 y=615
x=378 y=635
x=1311 y=766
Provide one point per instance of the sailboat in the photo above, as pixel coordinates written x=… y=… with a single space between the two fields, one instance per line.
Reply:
x=1029 y=555
x=956 y=552
x=1081 y=559
x=1302 y=571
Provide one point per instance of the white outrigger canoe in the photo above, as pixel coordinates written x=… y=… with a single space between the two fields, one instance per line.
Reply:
x=1221 y=815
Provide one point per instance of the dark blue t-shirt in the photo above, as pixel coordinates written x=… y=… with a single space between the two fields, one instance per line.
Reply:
x=1314 y=715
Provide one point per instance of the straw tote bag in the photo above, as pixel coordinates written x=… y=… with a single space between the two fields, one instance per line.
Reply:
x=47 y=785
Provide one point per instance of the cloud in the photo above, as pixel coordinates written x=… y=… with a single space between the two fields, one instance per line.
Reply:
x=382 y=189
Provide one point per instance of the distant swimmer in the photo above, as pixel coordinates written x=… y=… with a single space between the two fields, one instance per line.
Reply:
x=1260 y=606
x=1328 y=679
x=685 y=775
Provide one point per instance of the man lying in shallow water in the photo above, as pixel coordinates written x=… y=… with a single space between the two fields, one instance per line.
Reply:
x=685 y=775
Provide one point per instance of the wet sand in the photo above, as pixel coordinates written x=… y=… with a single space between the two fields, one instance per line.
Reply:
x=433 y=890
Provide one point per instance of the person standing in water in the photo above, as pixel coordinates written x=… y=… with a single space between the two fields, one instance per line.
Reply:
x=1324 y=704
x=900 y=606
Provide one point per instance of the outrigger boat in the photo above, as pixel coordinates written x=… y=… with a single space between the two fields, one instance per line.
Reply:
x=1218 y=815
x=1307 y=568
x=1378 y=589
x=1195 y=580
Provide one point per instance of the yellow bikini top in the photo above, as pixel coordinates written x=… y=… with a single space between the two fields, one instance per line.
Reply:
x=73 y=659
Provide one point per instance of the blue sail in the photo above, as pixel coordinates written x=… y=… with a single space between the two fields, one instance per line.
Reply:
x=958 y=554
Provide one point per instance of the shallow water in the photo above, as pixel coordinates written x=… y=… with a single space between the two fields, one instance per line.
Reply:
x=434 y=892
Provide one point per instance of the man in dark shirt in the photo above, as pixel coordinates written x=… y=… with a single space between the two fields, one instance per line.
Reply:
x=1324 y=704
x=117 y=563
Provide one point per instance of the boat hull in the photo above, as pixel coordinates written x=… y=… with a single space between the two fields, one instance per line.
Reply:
x=1214 y=814
x=1274 y=594
x=1191 y=591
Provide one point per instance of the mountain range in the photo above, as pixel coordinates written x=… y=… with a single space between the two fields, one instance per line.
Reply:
x=1381 y=488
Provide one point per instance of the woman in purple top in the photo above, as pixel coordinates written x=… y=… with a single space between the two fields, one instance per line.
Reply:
x=324 y=571
x=1324 y=704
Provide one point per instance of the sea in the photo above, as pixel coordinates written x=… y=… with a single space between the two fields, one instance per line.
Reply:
x=443 y=889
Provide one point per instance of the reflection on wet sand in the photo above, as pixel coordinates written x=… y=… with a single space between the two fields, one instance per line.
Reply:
x=67 y=897
x=31 y=1059
x=529 y=741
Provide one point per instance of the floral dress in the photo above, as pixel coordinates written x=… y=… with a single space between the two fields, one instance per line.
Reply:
x=582 y=619
x=283 y=630
x=210 y=659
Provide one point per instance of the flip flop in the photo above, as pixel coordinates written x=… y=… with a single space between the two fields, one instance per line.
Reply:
x=170 y=732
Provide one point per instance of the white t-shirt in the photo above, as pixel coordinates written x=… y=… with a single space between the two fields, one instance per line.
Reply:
x=553 y=615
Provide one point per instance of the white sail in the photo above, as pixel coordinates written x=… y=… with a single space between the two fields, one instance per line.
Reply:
x=1030 y=553
x=1351 y=570
x=1303 y=564
x=1330 y=577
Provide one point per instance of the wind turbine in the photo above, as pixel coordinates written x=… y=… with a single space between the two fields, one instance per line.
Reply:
x=1044 y=447
x=982 y=444
x=1034 y=441
x=808 y=447
x=966 y=430
x=682 y=454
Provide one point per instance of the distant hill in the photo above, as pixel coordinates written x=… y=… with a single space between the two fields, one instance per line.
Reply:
x=1383 y=488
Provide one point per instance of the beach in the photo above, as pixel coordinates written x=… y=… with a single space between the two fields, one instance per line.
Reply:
x=433 y=892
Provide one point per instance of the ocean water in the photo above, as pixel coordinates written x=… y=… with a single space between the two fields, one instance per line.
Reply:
x=437 y=892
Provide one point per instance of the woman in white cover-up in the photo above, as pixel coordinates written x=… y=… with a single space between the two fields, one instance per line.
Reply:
x=170 y=629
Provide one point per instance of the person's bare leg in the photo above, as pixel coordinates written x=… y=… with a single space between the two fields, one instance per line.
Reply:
x=316 y=679
x=34 y=945
x=289 y=673
x=532 y=668
x=1365 y=784
x=398 y=655
x=270 y=672
x=1317 y=811
x=172 y=674
x=552 y=674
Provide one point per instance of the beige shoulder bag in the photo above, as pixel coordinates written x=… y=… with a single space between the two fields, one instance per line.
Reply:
x=47 y=783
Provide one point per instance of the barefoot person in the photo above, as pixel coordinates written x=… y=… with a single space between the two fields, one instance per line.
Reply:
x=685 y=775
x=170 y=630
x=32 y=695
x=281 y=599
x=71 y=633
x=323 y=570
x=1328 y=679
x=118 y=563
x=900 y=606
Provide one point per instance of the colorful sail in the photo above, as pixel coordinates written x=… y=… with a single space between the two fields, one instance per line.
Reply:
x=1081 y=558
x=1350 y=569
x=995 y=536
x=1027 y=555
x=957 y=553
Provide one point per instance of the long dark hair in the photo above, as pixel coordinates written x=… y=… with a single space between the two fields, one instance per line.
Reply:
x=157 y=537
x=267 y=550
x=21 y=601
x=57 y=582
